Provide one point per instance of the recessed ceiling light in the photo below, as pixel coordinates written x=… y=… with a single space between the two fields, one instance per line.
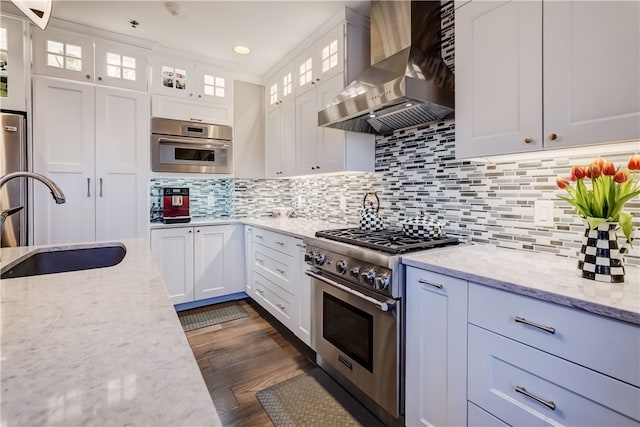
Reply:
x=241 y=50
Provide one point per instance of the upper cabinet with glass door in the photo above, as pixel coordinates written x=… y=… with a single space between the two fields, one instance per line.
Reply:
x=197 y=82
x=74 y=56
x=281 y=87
x=323 y=60
x=12 y=63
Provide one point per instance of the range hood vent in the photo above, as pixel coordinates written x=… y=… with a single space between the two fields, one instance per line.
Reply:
x=408 y=83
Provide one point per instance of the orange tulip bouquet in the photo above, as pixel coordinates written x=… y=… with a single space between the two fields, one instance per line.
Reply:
x=598 y=193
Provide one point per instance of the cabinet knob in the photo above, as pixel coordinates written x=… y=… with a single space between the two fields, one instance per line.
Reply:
x=313 y=83
x=528 y=140
x=190 y=94
x=313 y=168
x=100 y=78
x=88 y=76
x=317 y=167
x=553 y=137
x=317 y=79
x=200 y=96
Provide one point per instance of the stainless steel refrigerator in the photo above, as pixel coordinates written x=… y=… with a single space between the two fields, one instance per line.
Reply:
x=13 y=158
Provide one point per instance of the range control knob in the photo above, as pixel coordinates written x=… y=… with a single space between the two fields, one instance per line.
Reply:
x=369 y=277
x=308 y=257
x=319 y=259
x=341 y=266
x=382 y=282
x=355 y=271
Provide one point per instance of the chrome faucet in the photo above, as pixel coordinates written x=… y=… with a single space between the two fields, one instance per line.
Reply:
x=56 y=192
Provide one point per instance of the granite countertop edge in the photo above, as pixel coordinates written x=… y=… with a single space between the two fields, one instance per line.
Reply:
x=619 y=301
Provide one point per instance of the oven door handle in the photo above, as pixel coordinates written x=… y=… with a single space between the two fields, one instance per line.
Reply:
x=193 y=143
x=383 y=306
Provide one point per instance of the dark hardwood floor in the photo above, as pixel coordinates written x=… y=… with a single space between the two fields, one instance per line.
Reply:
x=241 y=357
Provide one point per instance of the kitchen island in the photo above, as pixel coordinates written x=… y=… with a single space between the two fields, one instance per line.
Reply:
x=97 y=347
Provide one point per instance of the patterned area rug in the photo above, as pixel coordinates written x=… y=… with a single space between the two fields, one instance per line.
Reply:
x=218 y=313
x=313 y=399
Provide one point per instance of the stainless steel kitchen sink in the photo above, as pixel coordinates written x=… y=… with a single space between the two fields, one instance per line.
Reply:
x=60 y=260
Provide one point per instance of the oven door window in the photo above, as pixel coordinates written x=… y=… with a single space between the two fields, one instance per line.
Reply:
x=349 y=329
x=197 y=155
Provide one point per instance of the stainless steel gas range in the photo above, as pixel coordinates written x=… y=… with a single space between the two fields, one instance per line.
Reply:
x=358 y=334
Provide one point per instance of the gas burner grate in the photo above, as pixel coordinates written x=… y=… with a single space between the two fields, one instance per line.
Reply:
x=391 y=240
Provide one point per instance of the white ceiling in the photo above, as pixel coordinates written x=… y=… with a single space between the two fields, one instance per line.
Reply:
x=210 y=28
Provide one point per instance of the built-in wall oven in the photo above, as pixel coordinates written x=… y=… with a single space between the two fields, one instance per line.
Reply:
x=192 y=147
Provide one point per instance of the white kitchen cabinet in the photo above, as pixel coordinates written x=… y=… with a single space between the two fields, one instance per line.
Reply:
x=172 y=249
x=436 y=349
x=303 y=299
x=280 y=140
x=95 y=148
x=527 y=78
x=534 y=362
x=280 y=87
x=321 y=61
x=248 y=262
x=13 y=82
x=295 y=145
x=186 y=90
x=74 y=56
x=324 y=149
x=278 y=280
x=198 y=263
x=585 y=102
x=498 y=77
x=248 y=127
x=280 y=123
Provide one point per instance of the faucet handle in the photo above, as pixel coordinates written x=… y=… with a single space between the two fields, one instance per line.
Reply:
x=8 y=212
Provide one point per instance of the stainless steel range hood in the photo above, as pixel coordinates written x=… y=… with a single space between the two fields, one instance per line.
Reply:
x=407 y=84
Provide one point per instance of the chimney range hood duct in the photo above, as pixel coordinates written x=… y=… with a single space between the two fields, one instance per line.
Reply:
x=407 y=84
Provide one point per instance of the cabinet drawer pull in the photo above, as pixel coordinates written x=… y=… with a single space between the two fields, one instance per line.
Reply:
x=260 y=291
x=261 y=261
x=549 y=329
x=548 y=403
x=88 y=187
x=259 y=236
x=193 y=119
x=279 y=270
x=280 y=243
x=301 y=245
x=435 y=285
x=281 y=307
x=101 y=187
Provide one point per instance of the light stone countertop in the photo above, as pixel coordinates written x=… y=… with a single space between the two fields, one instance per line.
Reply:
x=543 y=276
x=296 y=227
x=97 y=347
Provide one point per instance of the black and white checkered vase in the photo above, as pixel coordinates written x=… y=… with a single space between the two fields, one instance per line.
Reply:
x=600 y=257
x=422 y=228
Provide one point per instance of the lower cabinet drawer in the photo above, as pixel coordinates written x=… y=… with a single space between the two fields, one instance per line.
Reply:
x=274 y=265
x=273 y=299
x=596 y=342
x=524 y=386
x=478 y=417
x=278 y=241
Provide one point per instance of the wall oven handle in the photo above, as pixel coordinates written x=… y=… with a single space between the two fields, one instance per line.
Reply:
x=383 y=306
x=194 y=142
